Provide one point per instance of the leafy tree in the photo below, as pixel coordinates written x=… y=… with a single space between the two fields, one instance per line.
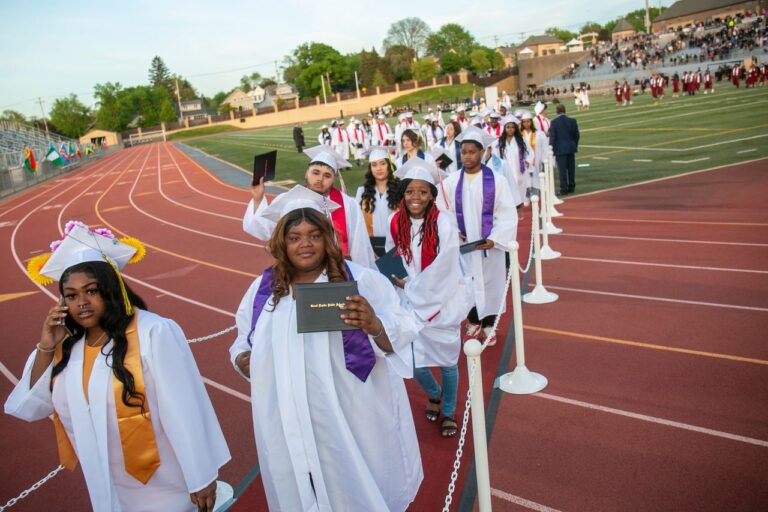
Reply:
x=479 y=61
x=590 y=26
x=378 y=80
x=451 y=62
x=424 y=69
x=371 y=66
x=561 y=34
x=409 y=32
x=266 y=82
x=214 y=102
x=186 y=91
x=451 y=37
x=167 y=112
x=70 y=116
x=604 y=35
x=12 y=115
x=496 y=59
x=159 y=75
x=637 y=18
x=398 y=59
x=609 y=28
x=112 y=113
x=310 y=61
x=248 y=82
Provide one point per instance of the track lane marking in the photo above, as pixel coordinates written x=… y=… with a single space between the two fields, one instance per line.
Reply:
x=641 y=344
x=664 y=221
x=517 y=500
x=671 y=240
x=665 y=265
x=654 y=419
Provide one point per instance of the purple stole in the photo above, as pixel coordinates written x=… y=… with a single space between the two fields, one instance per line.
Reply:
x=489 y=195
x=359 y=357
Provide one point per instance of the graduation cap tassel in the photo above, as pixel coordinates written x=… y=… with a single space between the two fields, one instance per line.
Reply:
x=341 y=182
x=123 y=291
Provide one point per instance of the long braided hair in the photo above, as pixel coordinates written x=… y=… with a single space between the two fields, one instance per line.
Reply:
x=429 y=240
x=518 y=138
x=113 y=321
x=368 y=200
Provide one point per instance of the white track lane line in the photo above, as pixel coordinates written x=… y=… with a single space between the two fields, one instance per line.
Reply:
x=654 y=419
x=671 y=240
x=177 y=226
x=665 y=265
x=189 y=184
x=517 y=500
x=8 y=375
x=659 y=299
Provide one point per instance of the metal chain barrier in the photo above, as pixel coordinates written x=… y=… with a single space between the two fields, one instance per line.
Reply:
x=530 y=252
x=34 y=487
x=53 y=473
x=468 y=403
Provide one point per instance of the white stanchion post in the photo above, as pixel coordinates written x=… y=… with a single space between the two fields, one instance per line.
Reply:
x=473 y=349
x=547 y=253
x=551 y=180
x=547 y=225
x=539 y=295
x=520 y=381
x=555 y=200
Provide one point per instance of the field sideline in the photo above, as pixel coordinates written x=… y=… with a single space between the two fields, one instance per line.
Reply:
x=619 y=145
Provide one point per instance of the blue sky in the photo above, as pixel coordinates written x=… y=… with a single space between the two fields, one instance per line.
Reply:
x=51 y=49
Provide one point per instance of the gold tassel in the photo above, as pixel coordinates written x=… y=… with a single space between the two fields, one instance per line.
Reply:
x=126 y=300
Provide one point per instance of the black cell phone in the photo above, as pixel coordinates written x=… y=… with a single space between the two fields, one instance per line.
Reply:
x=63 y=321
x=264 y=167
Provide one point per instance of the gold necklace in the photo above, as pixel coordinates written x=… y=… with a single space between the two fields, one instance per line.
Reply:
x=98 y=341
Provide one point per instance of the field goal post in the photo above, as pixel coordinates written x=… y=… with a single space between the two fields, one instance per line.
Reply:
x=146 y=137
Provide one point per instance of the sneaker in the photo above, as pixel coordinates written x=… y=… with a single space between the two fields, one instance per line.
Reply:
x=491 y=339
x=472 y=331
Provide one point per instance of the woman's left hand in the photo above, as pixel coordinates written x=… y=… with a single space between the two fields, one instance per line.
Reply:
x=361 y=315
x=205 y=499
x=400 y=283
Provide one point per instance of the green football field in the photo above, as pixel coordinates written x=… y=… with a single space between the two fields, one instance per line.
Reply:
x=619 y=145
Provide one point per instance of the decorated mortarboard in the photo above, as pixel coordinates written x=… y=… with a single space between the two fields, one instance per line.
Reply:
x=325 y=155
x=296 y=198
x=81 y=245
x=539 y=107
x=375 y=153
x=418 y=169
x=475 y=134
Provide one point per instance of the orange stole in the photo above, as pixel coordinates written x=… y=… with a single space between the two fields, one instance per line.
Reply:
x=137 y=436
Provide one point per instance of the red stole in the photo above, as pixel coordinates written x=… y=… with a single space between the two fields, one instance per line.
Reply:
x=426 y=257
x=339 y=219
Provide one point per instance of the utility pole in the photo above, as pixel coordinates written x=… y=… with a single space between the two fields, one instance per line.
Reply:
x=495 y=41
x=322 y=84
x=647 y=19
x=357 y=86
x=328 y=79
x=178 y=100
x=277 y=74
x=45 y=123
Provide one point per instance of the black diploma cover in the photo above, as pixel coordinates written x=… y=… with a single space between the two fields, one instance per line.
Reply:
x=470 y=246
x=317 y=306
x=390 y=264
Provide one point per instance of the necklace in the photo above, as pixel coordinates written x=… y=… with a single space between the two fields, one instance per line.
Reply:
x=98 y=341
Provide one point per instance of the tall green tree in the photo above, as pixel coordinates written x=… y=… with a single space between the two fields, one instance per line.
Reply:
x=590 y=26
x=637 y=18
x=371 y=66
x=561 y=34
x=249 y=82
x=424 y=69
x=70 y=116
x=310 y=61
x=479 y=61
x=451 y=36
x=398 y=59
x=186 y=90
x=159 y=75
x=12 y=115
x=451 y=62
x=409 y=32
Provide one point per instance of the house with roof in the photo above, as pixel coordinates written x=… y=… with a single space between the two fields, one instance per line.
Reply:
x=509 y=54
x=269 y=95
x=686 y=13
x=193 y=109
x=622 y=30
x=238 y=100
x=541 y=46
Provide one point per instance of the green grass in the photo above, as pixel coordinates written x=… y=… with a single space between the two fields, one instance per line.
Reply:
x=438 y=94
x=201 y=132
x=612 y=138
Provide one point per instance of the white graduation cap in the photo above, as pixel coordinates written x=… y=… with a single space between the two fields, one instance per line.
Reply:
x=401 y=117
x=375 y=153
x=484 y=112
x=418 y=169
x=539 y=108
x=476 y=121
x=341 y=121
x=323 y=154
x=511 y=119
x=519 y=112
x=461 y=108
x=495 y=115
x=473 y=133
x=428 y=118
x=296 y=198
x=381 y=116
x=408 y=114
x=324 y=127
x=525 y=115
x=454 y=117
x=81 y=245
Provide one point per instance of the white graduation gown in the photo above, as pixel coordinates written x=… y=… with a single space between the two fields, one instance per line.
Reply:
x=542 y=147
x=380 y=213
x=440 y=296
x=189 y=439
x=518 y=182
x=340 y=142
x=312 y=416
x=486 y=268
x=379 y=134
x=360 y=250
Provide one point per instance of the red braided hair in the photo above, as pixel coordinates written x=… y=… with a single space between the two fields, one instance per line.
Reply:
x=429 y=237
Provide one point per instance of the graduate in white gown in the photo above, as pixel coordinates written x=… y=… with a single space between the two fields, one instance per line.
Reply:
x=484 y=209
x=333 y=425
x=411 y=144
x=127 y=399
x=348 y=220
x=378 y=197
x=340 y=140
x=435 y=290
x=528 y=131
x=517 y=161
x=542 y=123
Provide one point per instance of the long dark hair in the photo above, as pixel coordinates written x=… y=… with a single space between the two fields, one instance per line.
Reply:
x=113 y=321
x=368 y=201
x=518 y=138
x=283 y=270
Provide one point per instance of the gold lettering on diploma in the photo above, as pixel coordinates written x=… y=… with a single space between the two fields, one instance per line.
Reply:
x=326 y=305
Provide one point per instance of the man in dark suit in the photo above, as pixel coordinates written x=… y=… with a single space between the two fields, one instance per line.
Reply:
x=564 y=139
x=298 y=137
